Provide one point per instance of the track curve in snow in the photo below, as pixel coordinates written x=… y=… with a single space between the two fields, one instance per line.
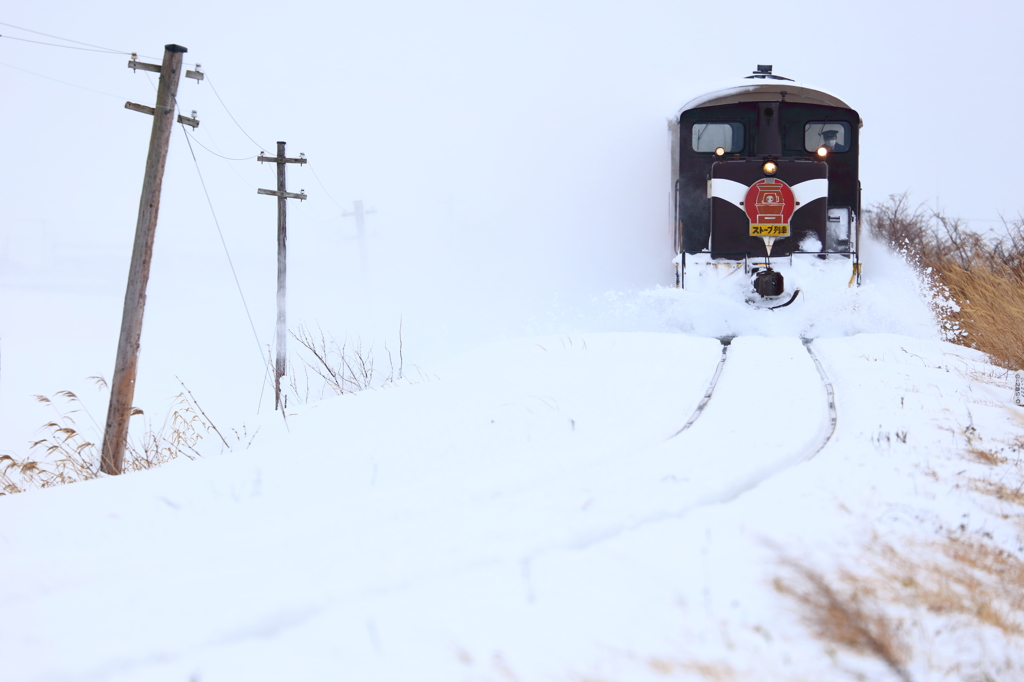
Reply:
x=833 y=415
x=829 y=391
x=726 y=340
x=768 y=407
x=771 y=409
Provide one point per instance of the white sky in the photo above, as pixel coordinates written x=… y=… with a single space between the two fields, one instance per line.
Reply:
x=516 y=154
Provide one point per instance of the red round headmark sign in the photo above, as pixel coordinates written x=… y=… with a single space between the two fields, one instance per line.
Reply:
x=769 y=205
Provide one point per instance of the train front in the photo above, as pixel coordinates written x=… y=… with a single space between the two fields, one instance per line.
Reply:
x=766 y=172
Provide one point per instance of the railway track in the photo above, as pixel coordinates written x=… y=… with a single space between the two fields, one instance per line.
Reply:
x=726 y=340
x=768 y=407
x=765 y=409
x=829 y=391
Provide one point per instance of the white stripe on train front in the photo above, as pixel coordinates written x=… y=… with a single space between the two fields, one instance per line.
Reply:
x=729 y=190
x=807 y=191
x=736 y=192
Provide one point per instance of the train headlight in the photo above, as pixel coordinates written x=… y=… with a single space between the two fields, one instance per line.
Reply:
x=769 y=167
x=719 y=151
x=823 y=151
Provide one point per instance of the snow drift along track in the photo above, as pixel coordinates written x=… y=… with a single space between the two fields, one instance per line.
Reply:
x=768 y=406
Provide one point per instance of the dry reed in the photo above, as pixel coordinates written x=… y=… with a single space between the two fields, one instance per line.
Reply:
x=982 y=274
x=339 y=368
x=845 y=612
x=717 y=672
x=991 y=300
x=1000 y=491
x=966 y=582
x=67 y=454
x=983 y=456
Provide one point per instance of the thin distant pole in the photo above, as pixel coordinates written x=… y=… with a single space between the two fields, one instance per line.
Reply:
x=360 y=215
x=282 y=274
x=280 y=364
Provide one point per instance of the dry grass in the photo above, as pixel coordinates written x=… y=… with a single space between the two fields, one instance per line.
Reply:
x=982 y=274
x=333 y=368
x=983 y=456
x=969 y=578
x=67 y=454
x=1000 y=491
x=964 y=582
x=718 y=672
x=1006 y=450
x=1005 y=483
x=845 y=613
x=991 y=315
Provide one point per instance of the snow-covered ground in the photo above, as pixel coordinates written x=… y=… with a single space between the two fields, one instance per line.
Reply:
x=531 y=511
x=522 y=506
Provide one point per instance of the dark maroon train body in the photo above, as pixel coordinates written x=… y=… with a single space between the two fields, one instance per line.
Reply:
x=766 y=171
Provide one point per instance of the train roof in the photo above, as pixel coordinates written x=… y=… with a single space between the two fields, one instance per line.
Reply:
x=764 y=88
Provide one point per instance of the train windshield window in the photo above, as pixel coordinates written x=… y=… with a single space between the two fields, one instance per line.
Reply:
x=708 y=136
x=832 y=134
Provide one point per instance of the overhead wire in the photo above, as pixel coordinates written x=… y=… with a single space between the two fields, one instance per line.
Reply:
x=97 y=48
x=322 y=185
x=227 y=252
x=57 y=80
x=238 y=285
x=230 y=165
x=234 y=170
x=188 y=139
x=262 y=148
x=226 y=158
x=234 y=274
x=258 y=145
x=67 y=40
x=67 y=47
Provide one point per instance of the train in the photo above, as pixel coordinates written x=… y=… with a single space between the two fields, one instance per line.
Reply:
x=765 y=171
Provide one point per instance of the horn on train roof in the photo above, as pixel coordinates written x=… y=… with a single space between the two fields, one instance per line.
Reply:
x=765 y=71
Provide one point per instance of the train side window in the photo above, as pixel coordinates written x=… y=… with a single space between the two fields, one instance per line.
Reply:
x=708 y=136
x=832 y=134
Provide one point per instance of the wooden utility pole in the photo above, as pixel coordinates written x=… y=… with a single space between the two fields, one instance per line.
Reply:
x=360 y=215
x=122 y=390
x=282 y=246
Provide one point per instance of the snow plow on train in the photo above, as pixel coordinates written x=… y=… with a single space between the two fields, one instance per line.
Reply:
x=765 y=172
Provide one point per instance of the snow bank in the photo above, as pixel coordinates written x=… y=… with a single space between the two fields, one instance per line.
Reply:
x=893 y=299
x=527 y=513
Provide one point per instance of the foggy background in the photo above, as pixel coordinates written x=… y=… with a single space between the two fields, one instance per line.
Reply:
x=516 y=155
